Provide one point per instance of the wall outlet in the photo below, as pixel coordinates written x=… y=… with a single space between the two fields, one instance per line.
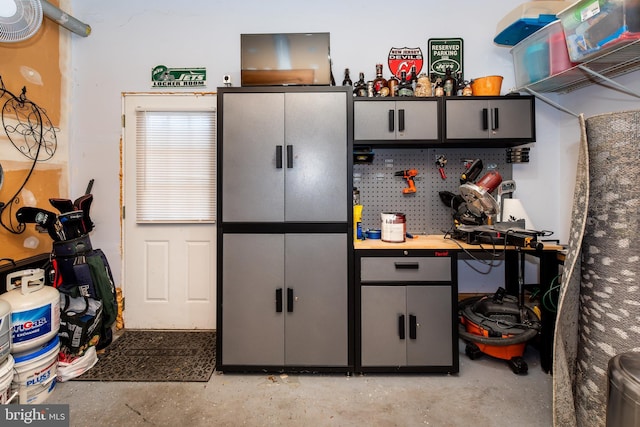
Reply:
x=226 y=80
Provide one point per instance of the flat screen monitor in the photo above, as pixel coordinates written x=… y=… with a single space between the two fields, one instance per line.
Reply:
x=285 y=59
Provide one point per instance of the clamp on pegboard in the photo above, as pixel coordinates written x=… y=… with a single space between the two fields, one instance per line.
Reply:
x=518 y=155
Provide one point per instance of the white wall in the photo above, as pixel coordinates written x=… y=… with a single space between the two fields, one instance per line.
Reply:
x=130 y=37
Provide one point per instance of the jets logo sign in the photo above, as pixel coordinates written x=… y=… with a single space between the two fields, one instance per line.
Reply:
x=162 y=76
x=403 y=58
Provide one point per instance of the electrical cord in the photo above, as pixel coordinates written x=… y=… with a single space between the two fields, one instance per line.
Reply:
x=548 y=297
x=491 y=263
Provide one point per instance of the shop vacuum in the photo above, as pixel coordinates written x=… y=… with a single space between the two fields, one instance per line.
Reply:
x=498 y=325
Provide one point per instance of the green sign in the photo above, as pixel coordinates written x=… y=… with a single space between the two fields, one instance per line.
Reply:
x=443 y=54
x=162 y=76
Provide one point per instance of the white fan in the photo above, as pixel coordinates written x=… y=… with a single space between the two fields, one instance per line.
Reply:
x=19 y=19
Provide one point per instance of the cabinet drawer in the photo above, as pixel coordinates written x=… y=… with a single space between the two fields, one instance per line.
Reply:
x=405 y=269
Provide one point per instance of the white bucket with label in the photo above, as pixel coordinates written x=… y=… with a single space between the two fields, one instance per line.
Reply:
x=35 y=309
x=35 y=373
x=5 y=330
x=6 y=377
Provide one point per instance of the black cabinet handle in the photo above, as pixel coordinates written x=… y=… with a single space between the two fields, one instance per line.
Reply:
x=494 y=121
x=278 y=156
x=401 y=326
x=279 y=300
x=391 y=121
x=289 y=156
x=413 y=325
x=406 y=265
x=485 y=119
x=401 y=120
x=289 y=300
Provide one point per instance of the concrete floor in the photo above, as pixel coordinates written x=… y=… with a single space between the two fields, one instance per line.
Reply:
x=484 y=393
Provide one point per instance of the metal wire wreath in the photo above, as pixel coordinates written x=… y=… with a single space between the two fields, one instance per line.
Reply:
x=31 y=132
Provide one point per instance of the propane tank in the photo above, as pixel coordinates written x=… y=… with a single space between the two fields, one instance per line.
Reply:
x=35 y=309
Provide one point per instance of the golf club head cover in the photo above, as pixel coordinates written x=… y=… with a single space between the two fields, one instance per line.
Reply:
x=72 y=224
x=48 y=220
x=83 y=203
x=63 y=205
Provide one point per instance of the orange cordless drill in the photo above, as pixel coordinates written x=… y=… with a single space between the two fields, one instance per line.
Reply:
x=408 y=174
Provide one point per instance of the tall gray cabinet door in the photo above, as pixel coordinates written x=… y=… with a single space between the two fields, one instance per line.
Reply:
x=253 y=272
x=316 y=325
x=432 y=342
x=383 y=323
x=253 y=137
x=316 y=165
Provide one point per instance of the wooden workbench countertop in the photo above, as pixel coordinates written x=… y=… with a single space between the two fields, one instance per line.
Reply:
x=437 y=241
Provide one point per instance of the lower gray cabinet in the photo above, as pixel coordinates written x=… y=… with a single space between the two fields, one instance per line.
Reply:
x=284 y=301
x=407 y=320
x=406 y=326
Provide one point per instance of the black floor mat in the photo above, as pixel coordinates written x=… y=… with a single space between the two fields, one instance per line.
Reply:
x=156 y=356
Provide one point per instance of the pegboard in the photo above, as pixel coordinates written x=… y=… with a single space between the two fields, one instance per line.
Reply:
x=381 y=191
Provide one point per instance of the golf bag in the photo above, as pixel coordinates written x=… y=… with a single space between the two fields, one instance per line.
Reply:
x=77 y=270
x=81 y=271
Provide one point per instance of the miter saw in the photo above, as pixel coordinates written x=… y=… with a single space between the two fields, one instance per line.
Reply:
x=477 y=214
x=474 y=205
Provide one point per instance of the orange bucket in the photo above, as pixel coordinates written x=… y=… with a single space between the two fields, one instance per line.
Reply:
x=487 y=86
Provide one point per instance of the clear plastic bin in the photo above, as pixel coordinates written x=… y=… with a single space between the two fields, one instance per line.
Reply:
x=526 y=19
x=542 y=54
x=593 y=26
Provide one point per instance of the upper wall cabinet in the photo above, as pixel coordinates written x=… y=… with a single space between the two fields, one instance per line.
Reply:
x=396 y=121
x=493 y=121
x=486 y=121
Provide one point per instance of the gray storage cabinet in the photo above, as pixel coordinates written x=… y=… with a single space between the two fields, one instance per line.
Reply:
x=284 y=157
x=285 y=240
x=377 y=119
x=285 y=300
x=510 y=118
x=407 y=319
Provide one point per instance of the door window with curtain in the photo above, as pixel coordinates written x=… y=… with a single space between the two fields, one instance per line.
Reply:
x=168 y=218
x=175 y=166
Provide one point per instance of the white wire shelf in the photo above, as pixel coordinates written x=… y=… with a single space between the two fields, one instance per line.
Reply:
x=613 y=62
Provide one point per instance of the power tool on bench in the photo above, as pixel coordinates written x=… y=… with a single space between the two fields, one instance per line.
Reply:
x=409 y=175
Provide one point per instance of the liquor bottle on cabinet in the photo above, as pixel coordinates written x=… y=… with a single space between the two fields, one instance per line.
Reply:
x=438 y=90
x=394 y=84
x=347 y=79
x=360 y=87
x=449 y=83
x=405 y=88
x=413 y=77
x=460 y=83
x=379 y=82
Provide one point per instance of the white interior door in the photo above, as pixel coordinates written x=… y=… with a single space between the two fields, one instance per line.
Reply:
x=169 y=277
